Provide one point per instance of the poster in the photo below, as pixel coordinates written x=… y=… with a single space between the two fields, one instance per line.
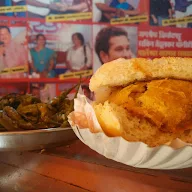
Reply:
x=14 y=53
x=160 y=41
x=53 y=56
x=60 y=50
x=175 y=13
x=62 y=40
x=13 y=8
x=113 y=42
x=60 y=10
x=120 y=11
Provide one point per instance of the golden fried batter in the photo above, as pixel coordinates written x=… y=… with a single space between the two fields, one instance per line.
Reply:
x=165 y=103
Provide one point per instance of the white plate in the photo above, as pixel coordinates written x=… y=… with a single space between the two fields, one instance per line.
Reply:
x=135 y=154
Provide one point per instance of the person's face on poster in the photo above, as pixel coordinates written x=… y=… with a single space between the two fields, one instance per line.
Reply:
x=76 y=41
x=119 y=47
x=5 y=36
x=41 y=41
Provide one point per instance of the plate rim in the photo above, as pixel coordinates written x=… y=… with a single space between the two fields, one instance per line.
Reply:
x=27 y=132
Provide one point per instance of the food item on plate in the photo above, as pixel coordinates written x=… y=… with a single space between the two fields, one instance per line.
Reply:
x=26 y=112
x=145 y=100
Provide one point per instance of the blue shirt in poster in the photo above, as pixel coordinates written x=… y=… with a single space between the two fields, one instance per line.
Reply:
x=21 y=14
x=123 y=5
x=41 y=60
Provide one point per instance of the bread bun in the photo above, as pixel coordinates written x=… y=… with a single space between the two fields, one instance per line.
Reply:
x=145 y=100
x=115 y=121
x=122 y=72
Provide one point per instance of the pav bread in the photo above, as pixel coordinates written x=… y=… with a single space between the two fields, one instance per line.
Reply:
x=145 y=100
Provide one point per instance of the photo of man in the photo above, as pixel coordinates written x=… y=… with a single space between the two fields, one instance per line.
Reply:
x=176 y=13
x=182 y=9
x=13 y=53
x=159 y=11
x=114 y=42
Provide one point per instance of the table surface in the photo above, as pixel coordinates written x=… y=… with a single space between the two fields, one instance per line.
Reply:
x=76 y=168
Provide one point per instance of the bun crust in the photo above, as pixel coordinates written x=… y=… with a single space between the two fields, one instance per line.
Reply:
x=140 y=69
x=145 y=100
